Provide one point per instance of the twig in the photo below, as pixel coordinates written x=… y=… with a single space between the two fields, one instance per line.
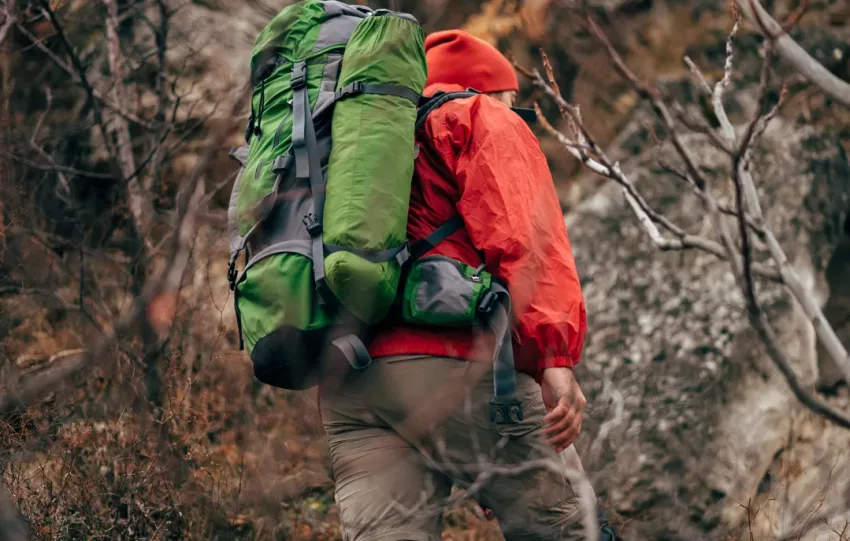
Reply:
x=790 y=51
x=743 y=269
x=698 y=76
x=795 y=16
x=111 y=105
x=645 y=214
x=741 y=174
x=722 y=84
x=724 y=209
x=139 y=200
x=63 y=181
x=163 y=286
x=11 y=20
x=54 y=167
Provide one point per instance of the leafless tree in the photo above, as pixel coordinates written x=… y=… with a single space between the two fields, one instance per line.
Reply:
x=747 y=210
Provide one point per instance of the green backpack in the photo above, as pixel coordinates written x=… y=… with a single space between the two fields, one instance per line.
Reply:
x=323 y=226
x=320 y=204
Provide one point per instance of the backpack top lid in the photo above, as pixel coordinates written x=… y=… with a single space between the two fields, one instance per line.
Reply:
x=303 y=30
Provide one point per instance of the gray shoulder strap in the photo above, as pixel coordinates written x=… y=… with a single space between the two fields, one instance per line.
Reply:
x=505 y=408
x=308 y=166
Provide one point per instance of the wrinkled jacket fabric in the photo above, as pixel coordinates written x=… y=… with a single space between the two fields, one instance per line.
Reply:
x=480 y=160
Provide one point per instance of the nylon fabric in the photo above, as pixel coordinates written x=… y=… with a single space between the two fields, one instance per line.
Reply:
x=354 y=351
x=357 y=88
x=278 y=207
x=259 y=176
x=272 y=294
x=307 y=165
x=241 y=155
x=447 y=229
x=291 y=34
x=480 y=160
x=443 y=292
x=371 y=164
x=499 y=322
x=336 y=30
x=373 y=257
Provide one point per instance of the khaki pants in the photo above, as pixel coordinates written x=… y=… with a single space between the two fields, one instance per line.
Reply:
x=406 y=429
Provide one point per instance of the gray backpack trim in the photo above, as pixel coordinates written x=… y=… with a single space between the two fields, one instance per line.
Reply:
x=337 y=29
x=505 y=408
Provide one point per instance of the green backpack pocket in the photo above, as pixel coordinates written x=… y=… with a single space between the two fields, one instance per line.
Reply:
x=445 y=292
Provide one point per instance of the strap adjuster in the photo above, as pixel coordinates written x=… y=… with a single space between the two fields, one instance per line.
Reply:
x=353 y=89
x=487 y=302
x=298 y=79
x=505 y=411
x=311 y=222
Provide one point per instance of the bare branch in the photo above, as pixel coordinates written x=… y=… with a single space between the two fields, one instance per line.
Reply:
x=163 y=287
x=741 y=174
x=790 y=51
x=645 y=214
x=64 y=66
x=11 y=20
x=698 y=76
x=722 y=84
x=741 y=263
x=54 y=167
x=139 y=200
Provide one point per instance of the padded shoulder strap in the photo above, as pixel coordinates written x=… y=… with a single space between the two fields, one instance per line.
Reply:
x=438 y=100
x=429 y=105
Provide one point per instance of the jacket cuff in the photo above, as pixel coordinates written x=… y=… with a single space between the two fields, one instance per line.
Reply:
x=555 y=361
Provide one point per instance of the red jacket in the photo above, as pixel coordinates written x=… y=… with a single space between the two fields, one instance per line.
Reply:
x=480 y=160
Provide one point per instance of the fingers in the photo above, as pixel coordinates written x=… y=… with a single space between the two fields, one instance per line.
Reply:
x=565 y=431
x=567 y=438
x=564 y=424
x=559 y=420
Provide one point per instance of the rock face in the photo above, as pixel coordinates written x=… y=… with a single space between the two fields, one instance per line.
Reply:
x=708 y=425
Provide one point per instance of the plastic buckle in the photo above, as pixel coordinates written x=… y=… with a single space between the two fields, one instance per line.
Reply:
x=356 y=87
x=487 y=302
x=311 y=222
x=299 y=80
x=505 y=411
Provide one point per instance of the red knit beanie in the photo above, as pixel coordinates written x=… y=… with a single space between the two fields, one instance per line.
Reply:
x=455 y=57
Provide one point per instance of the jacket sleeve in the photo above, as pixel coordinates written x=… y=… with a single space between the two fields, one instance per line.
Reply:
x=511 y=212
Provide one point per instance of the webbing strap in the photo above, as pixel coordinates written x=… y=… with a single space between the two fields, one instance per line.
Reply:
x=354 y=351
x=307 y=165
x=505 y=408
x=437 y=101
x=423 y=246
x=357 y=87
x=529 y=115
x=400 y=253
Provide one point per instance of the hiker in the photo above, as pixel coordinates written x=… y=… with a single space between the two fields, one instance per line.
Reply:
x=417 y=420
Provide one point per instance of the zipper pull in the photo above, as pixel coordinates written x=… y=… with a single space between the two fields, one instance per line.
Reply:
x=475 y=275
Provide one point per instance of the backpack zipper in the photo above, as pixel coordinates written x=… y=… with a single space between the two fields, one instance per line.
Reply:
x=475 y=278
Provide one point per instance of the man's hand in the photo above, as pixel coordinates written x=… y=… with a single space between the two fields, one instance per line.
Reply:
x=566 y=403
